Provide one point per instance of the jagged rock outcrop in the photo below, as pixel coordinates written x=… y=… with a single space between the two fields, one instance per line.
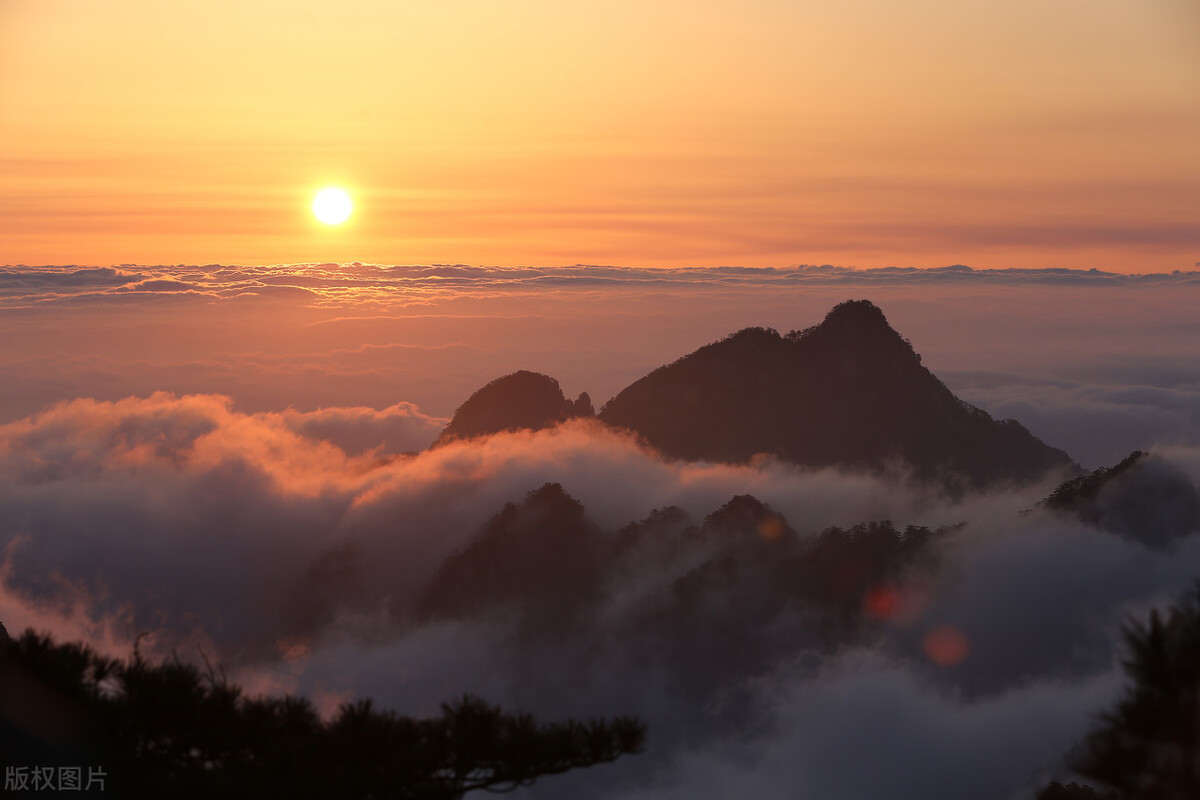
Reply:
x=522 y=400
x=849 y=392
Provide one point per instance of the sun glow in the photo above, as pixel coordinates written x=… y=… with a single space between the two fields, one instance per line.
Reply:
x=332 y=206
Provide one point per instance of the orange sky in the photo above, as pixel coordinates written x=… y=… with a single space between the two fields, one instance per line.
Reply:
x=760 y=132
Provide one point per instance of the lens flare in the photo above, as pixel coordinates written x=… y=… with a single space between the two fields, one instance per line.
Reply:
x=882 y=602
x=946 y=646
x=770 y=529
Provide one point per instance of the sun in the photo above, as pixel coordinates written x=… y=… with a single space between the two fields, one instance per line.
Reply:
x=332 y=205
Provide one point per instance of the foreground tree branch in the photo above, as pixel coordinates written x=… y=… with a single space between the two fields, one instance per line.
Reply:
x=172 y=730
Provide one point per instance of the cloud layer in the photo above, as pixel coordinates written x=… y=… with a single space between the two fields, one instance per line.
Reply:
x=1099 y=364
x=297 y=562
x=339 y=284
x=270 y=506
x=1098 y=423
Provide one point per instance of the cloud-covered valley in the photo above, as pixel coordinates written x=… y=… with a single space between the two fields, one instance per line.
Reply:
x=303 y=559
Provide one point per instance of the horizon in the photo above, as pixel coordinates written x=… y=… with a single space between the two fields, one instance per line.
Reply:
x=326 y=336
x=817 y=274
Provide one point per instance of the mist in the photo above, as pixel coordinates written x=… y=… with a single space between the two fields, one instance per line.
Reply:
x=300 y=564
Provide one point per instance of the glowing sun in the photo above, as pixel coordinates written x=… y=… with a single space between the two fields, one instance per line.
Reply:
x=332 y=206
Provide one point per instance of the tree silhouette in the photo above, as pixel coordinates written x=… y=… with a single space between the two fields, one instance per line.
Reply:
x=173 y=730
x=1148 y=746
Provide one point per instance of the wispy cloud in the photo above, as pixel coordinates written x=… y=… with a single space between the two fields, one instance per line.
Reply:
x=1098 y=423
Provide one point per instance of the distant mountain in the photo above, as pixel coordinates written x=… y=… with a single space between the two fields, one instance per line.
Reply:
x=1122 y=498
x=760 y=563
x=542 y=557
x=522 y=400
x=545 y=560
x=699 y=610
x=848 y=392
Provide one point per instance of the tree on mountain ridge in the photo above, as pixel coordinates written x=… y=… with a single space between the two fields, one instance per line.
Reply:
x=172 y=730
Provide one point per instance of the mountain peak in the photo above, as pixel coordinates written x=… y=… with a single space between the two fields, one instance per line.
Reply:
x=552 y=496
x=861 y=314
x=849 y=392
x=746 y=513
x=858 y=326
x=752 y=335
x=519 y=400
x=543 y=554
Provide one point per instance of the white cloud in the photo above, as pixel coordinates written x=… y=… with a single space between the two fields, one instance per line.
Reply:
x=294 y=561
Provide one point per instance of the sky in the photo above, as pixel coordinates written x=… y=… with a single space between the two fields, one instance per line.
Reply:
x=764 y=133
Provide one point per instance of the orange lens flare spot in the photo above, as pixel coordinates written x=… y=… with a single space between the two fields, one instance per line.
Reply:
x=946 y=646
x=770 y=529
x=882 y=602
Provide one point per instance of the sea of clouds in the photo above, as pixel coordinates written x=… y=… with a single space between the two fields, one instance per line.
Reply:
x=233 y=458
x=295 y=562
x=353 y=282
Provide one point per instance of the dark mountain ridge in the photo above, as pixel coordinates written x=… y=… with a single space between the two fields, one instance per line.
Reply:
x=542 y=556
x=849 y=392
x=1122 y=497
x=522 y=400
x=547 y=562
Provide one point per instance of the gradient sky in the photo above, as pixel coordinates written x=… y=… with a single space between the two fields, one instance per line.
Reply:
x=1055 y=133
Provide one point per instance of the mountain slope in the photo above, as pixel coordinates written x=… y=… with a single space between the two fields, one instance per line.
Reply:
x=848 y=392
x=542 y=555
x=1121 y=498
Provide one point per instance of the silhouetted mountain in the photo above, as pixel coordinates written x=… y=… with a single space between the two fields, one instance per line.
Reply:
x=747 y=542
x=730 y=597
x=545 y=560
x=543 y=556
x=658 y=536
x=837 y=570
x=848 y=392
x=745 y=514
x=521 y=400
x=856 y=569
x=1143 y=498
